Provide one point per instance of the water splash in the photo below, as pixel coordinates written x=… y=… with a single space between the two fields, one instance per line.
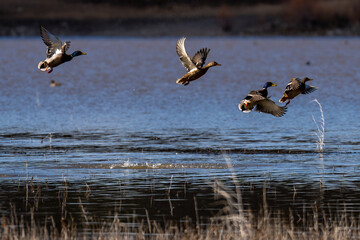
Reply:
x=320 y=133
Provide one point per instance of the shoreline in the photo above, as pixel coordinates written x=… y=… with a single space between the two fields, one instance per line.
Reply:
x=335 y=18
x=161 y=27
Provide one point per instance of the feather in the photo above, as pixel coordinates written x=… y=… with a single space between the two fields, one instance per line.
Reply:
x=184 y=57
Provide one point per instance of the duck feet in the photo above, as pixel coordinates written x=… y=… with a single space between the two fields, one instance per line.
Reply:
x=287 y=103
x=50 y=70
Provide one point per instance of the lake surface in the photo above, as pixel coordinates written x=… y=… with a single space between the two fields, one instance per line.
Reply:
x=119 y=129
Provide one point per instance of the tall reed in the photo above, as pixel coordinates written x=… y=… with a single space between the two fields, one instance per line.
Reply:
x=235 y=221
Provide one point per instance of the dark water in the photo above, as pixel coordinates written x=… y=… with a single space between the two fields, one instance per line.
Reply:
x=121 y=125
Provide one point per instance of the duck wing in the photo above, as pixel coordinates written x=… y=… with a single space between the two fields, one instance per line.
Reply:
x=309 y=89
x=53 y=43
x=200 y=56
x=265 y=105
x=294 y=84
x=255 y=92
x=263 y=92
x=184 y=57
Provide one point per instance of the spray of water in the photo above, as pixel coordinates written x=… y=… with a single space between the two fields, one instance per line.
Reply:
x=320 y=133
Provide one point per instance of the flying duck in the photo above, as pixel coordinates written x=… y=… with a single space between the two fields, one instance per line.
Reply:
x=195 y=66
x=295 y=87
x=259 y=100
x=55 y=52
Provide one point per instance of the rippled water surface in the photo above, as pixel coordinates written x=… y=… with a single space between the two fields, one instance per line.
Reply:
x=119 y=121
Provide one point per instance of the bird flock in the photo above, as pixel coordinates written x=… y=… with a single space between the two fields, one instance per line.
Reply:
x=258 y=99
x=262 y=103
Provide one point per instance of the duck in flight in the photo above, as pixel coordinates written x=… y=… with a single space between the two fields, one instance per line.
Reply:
x=55 y=52
x=195 y=67
x=259 y=100
x=296 y=87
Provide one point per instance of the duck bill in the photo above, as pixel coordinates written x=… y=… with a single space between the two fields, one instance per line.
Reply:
x=218 y=64
x=273 y=85
x=83 y=53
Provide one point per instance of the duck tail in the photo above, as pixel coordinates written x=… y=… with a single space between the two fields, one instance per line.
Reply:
x=243 y=108
x=182 y=81
x=283 y=99
x=42 y=66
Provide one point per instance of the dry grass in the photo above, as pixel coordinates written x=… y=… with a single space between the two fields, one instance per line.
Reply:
x=233 y=222
x=230 y=227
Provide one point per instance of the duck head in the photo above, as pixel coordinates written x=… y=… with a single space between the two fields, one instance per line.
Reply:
x=212 y=64
x=305 y=79
x=269 y=84
x=77 y=53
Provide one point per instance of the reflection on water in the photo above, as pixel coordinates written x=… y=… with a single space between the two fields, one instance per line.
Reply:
x=121 y=132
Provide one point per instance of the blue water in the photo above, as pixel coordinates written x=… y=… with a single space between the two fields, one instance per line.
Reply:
x=120 y=116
